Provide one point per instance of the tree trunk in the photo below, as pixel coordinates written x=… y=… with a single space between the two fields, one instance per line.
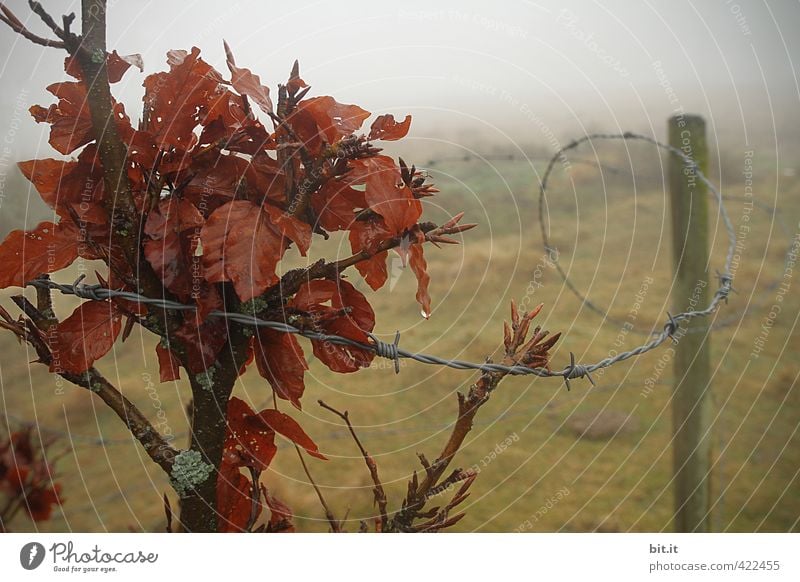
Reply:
x=209 y=407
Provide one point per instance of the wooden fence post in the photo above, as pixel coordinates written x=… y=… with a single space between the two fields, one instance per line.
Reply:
x=691 y=397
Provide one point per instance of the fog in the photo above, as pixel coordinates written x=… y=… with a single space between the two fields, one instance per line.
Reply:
x=471 y=72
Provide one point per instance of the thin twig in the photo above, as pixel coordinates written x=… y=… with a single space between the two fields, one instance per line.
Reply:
x=380 y=494
x=255 y=498
x=168 y=513
x=16 y=25
x=140 y=427
x=39 y=10
x=335 y=525
x=32 y=312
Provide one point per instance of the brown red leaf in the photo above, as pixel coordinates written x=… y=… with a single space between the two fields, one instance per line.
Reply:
x=116 y=65
x=40 y=500
x=166 y=249
x=234 y=499
x=366 y=235
x=168 y=364
x=336 y=205
x=202 y=341
x=321 y=298
x=386 y=193
x=334 y=120
x=241 y=245
x=386 y=128
x=172 y=216
x=281 y=516
x=246 y=83
x=295 y=230
x=416 y=260
x=167 y=257
x=179 y=100
x=84 y=337
x=70 y=120
x=280 y=360
x=249 y=441
x=71 y=124
x=68 y=186
x=285 y=425
x=46 y=249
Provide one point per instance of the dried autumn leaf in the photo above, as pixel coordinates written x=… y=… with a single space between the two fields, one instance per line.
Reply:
x=295 y=230
x=386 y=128
x=285 y=425
x=246 y=83
x=69 y=119
x=172 y=216
x=334 y=120
x=40 y=500
x=168 y=364
x=326 y=299
x=84 y=337
x=70 y=187
x=234 y=499
x=281 y=517
x=385 y=193
x=219 y=177
x=249 y=442
x=416 y=260
x=365 y=236
x=336 y=204
x=167 y=251
x=179 y=100
x=47 y=248
x=280 y=360
x=241 y=245
x=116 y=65
x=202 y=341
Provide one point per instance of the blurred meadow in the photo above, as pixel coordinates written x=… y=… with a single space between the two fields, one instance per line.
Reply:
x=590 y=459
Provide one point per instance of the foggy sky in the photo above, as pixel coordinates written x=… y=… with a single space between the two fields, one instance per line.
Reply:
x=516 y=70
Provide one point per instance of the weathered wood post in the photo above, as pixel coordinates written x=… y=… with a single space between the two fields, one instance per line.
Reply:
x=691 y=397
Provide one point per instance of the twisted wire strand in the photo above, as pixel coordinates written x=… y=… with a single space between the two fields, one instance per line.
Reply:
x=690 y=163
x=394 y=352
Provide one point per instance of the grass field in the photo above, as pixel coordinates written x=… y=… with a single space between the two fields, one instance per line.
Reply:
x=536 y=472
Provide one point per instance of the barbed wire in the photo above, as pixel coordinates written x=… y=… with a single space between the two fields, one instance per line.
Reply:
x=393 y=351
x=603 y=312
x=500 y=157
x=725 y=278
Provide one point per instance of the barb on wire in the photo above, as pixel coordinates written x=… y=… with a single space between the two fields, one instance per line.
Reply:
x=394 y=352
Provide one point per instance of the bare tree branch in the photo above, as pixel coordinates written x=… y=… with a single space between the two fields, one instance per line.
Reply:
x=518 y=350
x=336 y=527
x=380 y=494
x=39 y=10
x=255 y=498
x=140 y=427
x=168 y=514
x=16 y=25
